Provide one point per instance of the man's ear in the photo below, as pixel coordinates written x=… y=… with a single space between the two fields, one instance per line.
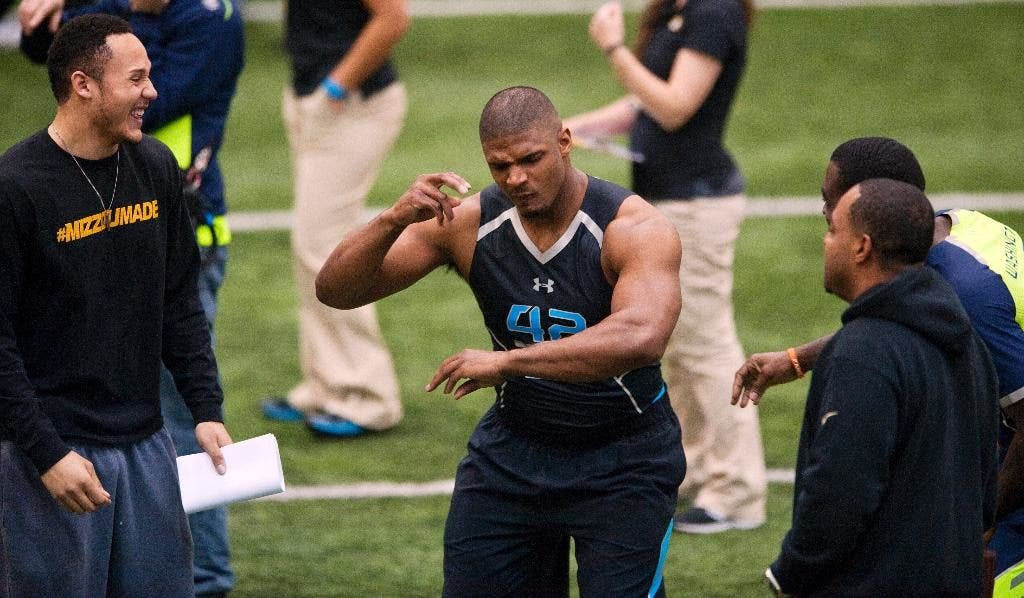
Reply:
x=81 y=84
x=862 y=248
x=565 y=141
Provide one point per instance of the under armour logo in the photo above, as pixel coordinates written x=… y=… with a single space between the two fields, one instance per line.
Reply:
x=549 y=285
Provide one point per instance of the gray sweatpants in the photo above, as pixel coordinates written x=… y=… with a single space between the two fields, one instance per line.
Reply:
x=139 y=545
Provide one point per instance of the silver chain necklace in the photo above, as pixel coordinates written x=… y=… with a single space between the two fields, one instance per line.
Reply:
x=117 y=171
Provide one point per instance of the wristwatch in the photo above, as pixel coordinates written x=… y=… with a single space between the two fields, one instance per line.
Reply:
x=772 y=584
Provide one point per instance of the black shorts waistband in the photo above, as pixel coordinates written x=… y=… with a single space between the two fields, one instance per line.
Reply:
x=654 y=418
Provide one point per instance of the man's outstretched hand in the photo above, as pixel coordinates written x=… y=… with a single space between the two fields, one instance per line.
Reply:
x=758 y=373
x=480 y=369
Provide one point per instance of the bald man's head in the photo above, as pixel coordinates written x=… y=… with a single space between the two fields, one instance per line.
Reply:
x=516 y=110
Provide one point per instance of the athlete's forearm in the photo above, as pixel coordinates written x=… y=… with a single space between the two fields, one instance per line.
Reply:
x=347 y=277
x=618 y=344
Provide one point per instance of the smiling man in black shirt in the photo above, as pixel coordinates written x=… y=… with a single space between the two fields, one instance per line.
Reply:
x=98 y=285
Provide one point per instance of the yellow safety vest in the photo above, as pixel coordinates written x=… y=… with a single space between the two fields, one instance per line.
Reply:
x=1010 y=583
x=177 y=135
x=994 y=244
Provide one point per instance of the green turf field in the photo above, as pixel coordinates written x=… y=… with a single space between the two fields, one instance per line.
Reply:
x=945 y=80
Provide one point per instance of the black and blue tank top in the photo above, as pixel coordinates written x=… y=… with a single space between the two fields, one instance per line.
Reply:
x=528 y=296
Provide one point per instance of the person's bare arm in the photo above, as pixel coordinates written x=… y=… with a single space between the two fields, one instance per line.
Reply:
x=671 y=103
x=389 y=20
x=641 y=256
x=32 y=13
x=398 y=247
x=607 y=121
x=763 y=370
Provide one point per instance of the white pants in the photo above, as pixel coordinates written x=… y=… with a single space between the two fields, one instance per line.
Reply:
x=346 y=367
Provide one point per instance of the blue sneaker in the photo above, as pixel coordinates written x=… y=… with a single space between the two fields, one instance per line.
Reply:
x=277 y=408
x=333 y=426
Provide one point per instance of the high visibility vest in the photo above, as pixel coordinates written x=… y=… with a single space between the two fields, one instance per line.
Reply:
x=177 y=135
x=994 y=244
x=1010 y=583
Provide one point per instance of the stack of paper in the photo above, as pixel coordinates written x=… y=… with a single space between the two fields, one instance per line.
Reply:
x=253 y=470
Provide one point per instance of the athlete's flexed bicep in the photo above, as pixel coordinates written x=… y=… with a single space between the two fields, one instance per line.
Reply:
x=641 y=258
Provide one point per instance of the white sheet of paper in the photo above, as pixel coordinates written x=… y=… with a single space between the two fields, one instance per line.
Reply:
x=254 y=470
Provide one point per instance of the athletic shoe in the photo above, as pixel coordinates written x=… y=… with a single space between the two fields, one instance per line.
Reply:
x=278 y=408
x=696 y=520
x=333 y=426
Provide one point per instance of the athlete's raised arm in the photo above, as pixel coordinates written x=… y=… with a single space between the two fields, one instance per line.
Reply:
x=395 y=249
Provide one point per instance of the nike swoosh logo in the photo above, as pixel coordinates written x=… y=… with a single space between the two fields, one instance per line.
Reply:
x=827 y=416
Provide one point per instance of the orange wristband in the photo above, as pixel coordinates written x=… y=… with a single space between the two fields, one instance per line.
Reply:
x=796 y=362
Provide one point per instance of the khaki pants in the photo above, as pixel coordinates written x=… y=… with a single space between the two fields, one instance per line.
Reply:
x=725 y=460
x=346 y=367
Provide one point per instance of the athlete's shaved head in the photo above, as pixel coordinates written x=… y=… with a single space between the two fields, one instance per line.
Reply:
x=515 y=110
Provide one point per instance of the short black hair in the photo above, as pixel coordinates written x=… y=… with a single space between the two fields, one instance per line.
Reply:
x=516 y=109
x=866 y=158
x=81 y=45
x=898 y=218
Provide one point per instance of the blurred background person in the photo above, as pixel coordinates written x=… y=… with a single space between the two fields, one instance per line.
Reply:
x=681 y=80
x=343 y=112
x=197 y=53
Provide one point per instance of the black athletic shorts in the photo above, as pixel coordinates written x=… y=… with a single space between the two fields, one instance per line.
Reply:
x=518 y=500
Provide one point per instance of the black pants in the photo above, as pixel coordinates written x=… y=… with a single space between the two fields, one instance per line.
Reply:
x=518 y=501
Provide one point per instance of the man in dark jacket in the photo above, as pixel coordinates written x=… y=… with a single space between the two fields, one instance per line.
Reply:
x=896 y=462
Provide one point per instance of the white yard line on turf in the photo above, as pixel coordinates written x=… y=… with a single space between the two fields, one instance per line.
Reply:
x=763 y=207
x=415 y=490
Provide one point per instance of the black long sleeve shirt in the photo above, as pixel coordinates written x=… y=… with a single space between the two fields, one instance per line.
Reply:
x=91 y=300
